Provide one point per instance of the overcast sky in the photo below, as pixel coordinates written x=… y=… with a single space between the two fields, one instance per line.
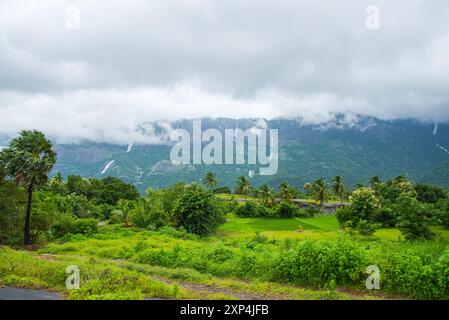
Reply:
x=125 y=62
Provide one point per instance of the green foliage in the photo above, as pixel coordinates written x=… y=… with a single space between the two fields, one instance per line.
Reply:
x=320 y=191
x=171 y=195
x=413 y=218
x=70 y=225
x=366 y=228
x=365 y=204
x=287 y=210
x=247 y=210
x=445 y=214
x=197 y=211
x=98 y=281
x=12 y=209
x=429 y=194
x=266 y=194
x=286 y=192
x=243 y=186
x=386 y=217
x=122 y=213
x=105 y=191
x=149 y=212
x=338 y=187
x=365 y=213
x=250 y=209
x=28 y=160
x=318 y=263
x=210 y=180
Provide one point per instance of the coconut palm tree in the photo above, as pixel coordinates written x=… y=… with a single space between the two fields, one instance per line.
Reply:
x=320 y=191
x=243 y=186
x=338 y=187
x=210 y=180
x=285 y=192
x=267 y=195
x=28 y=159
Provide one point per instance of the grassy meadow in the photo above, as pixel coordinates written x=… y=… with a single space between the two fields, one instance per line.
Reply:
x=240 y=261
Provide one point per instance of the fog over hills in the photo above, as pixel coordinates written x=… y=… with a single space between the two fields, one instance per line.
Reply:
x=357 y=150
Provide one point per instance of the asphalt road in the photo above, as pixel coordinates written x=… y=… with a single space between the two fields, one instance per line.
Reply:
x=27 y=294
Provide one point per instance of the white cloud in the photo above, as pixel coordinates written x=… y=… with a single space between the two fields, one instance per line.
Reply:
x=145 y=60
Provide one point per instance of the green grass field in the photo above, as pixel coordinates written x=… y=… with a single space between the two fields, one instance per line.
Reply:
x=174 y=264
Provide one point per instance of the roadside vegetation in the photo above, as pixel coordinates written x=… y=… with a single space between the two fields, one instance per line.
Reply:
x=200 y=241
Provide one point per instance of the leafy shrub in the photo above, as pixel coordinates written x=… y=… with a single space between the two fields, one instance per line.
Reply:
x=198 y=211
x=407 y=273
x=265 y=212
x=429 y=194
x=318 y=263
x=68 y=224
x=344 y=214
x=445 y=215
x=310 y=211
x=247 y=210
x=287 y=210
x=365 y=204
x=413 y=219
x=366 y=228
x=386 y=217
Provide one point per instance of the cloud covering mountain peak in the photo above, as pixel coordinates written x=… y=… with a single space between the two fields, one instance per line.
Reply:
x=136 y=61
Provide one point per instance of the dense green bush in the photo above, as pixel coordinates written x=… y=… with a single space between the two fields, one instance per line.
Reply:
x=287 y=210
x=12 y=208
x=407 y=273
x=198 y=211
x=67 y=224
x=344 y=215
x=320 y=263
x=366 y=228
x=247 y=210
x=429 y=194
x=386 y=217
x=251 y=209
x=413 y=218
x=445 y=214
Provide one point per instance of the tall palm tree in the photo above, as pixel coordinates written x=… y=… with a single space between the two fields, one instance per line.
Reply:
x=28 y=159
x=210 y=180
x=243 y=186
x=320 y=191
x=338 y=187
x=267 y=195
x=285 y=192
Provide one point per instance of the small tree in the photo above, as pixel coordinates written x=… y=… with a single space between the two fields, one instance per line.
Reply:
x=338 y=187
x=413 y=219
x=362 y=213
x=123 y=211
x=210 y=180
x=365 y=204
x=198 y=211
x=28 y=159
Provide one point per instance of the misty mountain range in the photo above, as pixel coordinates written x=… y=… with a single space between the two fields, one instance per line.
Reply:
x=356 y=149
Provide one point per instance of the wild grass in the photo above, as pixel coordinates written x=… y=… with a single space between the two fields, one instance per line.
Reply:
x=308 y=258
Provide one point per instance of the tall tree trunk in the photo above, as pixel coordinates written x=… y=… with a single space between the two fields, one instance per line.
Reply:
x=26 y=236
